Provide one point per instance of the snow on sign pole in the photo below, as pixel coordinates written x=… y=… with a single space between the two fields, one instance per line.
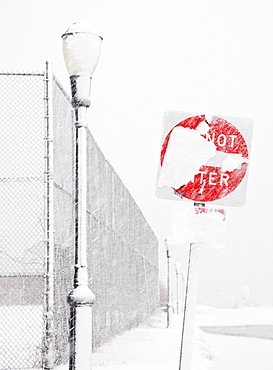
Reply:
x=204 y=158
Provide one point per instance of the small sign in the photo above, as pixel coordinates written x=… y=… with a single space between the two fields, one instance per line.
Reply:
x=204 y=158
x=198 y=224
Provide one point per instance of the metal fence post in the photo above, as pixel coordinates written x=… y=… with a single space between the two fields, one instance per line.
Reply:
x=48 y=355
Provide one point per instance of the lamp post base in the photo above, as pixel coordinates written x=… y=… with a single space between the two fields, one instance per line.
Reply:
x=80 y=337
x=81 y=300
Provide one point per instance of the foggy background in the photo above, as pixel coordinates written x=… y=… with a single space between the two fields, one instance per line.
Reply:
x=194 y=56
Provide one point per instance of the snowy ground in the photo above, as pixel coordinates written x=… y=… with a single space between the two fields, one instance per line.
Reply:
x=244 y=347
x=225 y=339
x=154 y=347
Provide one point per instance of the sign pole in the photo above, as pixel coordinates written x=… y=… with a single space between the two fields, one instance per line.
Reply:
x=190 y=307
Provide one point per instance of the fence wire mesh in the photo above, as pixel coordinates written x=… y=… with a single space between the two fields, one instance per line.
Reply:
x=21 y=219
x=122 y=249
x=122 y=254
x=63 y=144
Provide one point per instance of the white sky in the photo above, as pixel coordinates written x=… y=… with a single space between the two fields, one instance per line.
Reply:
x=188 y=55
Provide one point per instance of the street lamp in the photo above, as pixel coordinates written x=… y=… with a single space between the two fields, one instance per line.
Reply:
x=167 y=246
x=81 y=49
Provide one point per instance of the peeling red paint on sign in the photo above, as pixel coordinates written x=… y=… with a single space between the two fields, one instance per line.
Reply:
x=214 y=181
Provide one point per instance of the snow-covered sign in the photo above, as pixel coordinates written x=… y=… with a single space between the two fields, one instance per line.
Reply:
x=204 y=225
x=204 y=158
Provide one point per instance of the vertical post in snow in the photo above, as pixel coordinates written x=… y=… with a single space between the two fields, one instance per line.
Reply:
x=177 y=293
x=168 y=287
x=189 y=307
x=167 y=246
x=177 y=272
x=48 y=355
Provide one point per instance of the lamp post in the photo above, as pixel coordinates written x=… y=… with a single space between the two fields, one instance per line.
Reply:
x=167 y=246
x=81 y=49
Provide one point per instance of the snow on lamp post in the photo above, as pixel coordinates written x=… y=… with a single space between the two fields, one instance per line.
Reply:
x=168 y=254
x=81 y=49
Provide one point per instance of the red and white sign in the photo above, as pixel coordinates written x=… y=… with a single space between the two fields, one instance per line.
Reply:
x=219 y=175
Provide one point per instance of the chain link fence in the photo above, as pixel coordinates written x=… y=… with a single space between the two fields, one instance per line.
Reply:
x=21 y=219
x=122 y=254
x=37 y=231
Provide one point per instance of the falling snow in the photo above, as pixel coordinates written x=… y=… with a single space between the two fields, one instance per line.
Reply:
x=154 y=347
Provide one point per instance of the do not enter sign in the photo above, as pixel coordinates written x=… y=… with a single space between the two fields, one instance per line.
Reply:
x=204 y=158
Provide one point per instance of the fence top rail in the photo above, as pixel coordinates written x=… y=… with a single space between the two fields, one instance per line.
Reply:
x=3 y=73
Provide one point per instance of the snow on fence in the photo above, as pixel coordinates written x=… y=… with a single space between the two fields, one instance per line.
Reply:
x=37 y=230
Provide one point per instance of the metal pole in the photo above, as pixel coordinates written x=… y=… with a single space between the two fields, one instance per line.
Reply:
x=168 y=288
x=177 y=273
x=49 y=345
x=81 y=298
x=189 y=307
x=177 y=293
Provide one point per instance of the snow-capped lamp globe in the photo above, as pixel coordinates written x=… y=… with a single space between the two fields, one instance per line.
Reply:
x=81 y=51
